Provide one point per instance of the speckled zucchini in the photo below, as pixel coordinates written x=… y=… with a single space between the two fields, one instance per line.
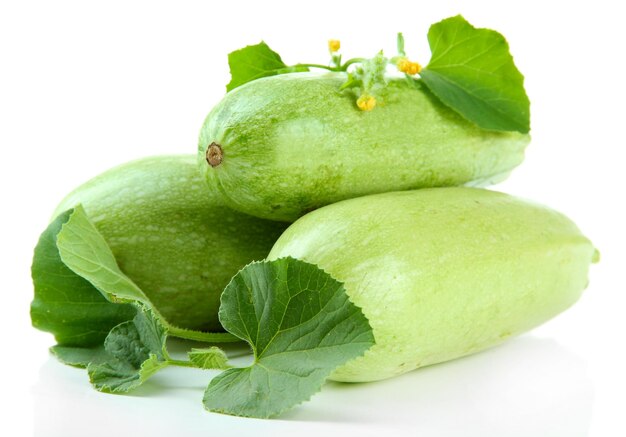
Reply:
x=441 y=273
x=284 y=145
x=173 y=235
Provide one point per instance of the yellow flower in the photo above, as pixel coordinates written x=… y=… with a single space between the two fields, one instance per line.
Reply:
x=334 y=45
x=408 y=67
x=366 y=102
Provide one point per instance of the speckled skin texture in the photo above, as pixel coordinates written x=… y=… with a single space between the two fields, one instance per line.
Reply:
x=441 y=273
x=292 y=143
x=173 y=235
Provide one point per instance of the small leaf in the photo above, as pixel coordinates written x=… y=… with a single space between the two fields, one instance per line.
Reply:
x=351 y=82
x=136 y=349
x=255 y=62
x=66 y=304
x=118 y=376
x=472 y=72
x=85 y=251
x=210 y=358
x=301 y=326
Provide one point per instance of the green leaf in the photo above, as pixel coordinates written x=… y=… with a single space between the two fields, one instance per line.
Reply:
x=254 y=62
x=209 y=358
x=352 y=81
x=66 y=304
x=85 y=251
x=472 y=72
x=80 y=356
x=301 y=326
x=136 y=349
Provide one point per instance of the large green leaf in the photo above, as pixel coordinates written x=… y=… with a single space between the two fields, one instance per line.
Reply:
x=301 y=326
x=67 y=305
x=472 y=72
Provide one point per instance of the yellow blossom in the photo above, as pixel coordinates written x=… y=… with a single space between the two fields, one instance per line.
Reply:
x=366 y=102
x=334 y=45
x=409 y=67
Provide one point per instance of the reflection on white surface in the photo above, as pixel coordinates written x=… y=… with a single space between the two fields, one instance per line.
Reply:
x=528 y=387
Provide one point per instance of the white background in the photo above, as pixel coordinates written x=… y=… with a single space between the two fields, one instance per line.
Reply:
x=88 y=85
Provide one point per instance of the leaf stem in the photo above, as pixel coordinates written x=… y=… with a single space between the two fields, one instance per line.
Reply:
x=181 y=363
x=349 y=62
x=207 y=337
x=325 y=67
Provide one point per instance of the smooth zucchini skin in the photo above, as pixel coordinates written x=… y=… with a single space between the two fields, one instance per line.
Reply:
x=442 y=273
x=292 y=143
x=173 y=235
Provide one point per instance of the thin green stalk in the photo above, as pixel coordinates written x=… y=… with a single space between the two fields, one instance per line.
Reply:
x=207 y=337
x=349 y=62
x=325 y=67
x=181 y=363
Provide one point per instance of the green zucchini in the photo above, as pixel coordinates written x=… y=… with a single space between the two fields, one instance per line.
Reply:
x=173 y=235
x=284 y=145
x=442 y=273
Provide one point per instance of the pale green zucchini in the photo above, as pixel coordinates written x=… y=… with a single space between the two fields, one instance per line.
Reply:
x=441 y=273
